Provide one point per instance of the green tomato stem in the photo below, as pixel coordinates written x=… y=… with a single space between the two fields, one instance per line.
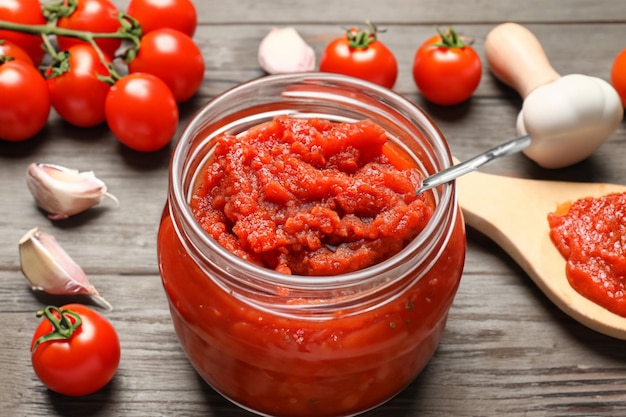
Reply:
x=61 y=321
x=56 y=56
x=61 y=8
x=130 y=30
x=361 y=39
x=51 y=29
x=4 y=58
x=451 y=39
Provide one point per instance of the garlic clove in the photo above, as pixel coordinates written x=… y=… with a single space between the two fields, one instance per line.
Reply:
x=48 y=268
x=284 y=51
x=63 y=192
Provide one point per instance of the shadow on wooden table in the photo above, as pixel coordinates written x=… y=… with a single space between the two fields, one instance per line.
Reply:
x=89 y=405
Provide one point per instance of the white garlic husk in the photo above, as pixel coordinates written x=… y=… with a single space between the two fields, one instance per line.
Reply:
x=63 y=192
x=48 y=268
x=283 y=51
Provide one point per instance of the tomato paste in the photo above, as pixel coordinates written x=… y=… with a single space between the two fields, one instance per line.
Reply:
x=590 y=233
x=310 y=196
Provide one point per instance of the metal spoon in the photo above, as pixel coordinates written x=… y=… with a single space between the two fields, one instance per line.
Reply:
x=513 y=146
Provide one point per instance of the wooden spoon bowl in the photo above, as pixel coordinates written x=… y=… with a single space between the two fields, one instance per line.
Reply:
x=513 y=213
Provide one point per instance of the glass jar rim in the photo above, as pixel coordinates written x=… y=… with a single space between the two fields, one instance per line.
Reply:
x=412 y=112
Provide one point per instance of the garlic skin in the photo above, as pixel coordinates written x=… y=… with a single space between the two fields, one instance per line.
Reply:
x=63 y=192
x=283 y=51
x=48 y=268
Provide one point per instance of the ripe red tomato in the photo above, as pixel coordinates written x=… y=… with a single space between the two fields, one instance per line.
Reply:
x=82 y=363
x=24 y=11
x=76 y=92
x=446 y=69
x=174 y=58
x=160 y=14
x=10 y=50
x=141 y=112
x=618 y=75
x=360 y=54
x=24 y=101
x=98 y=16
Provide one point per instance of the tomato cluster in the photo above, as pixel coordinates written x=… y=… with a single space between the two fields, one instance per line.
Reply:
x=128 y=69
x=446 y=69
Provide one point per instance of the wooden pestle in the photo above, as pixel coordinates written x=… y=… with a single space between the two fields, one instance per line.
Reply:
x=567 y=117
x=517 y=58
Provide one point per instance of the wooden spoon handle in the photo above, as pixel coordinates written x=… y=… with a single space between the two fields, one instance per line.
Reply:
x=516 y=58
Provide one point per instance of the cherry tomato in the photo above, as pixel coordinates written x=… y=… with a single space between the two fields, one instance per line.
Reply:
x=98 y=16
x=24 y=101
x=141 y=112
x=10 y=50
x=618 y=75
x=360 y=54
x=160 y=14
x=75 y=351
x=28 y=12
x=76 y=92
x=174 y=58
x=446 y=69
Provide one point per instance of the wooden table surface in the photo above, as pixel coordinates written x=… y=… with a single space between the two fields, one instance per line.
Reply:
x=507 y=351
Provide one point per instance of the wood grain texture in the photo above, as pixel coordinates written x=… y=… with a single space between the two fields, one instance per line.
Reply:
x=506 y=351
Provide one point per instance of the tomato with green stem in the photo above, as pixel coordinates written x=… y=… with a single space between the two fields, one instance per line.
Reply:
x=173 y=57
x=77 y=86
x=24 y=100
x=359 y=53
x=97 y=16
x=9 y=51
x=446 y=69
x=618 y=75
x=75 y=351
x=160 y=14
x=141 y=112
x=25 y=12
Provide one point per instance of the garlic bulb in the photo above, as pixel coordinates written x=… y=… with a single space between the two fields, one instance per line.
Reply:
x=48 y=268
x=284 y=51
x=63 y=192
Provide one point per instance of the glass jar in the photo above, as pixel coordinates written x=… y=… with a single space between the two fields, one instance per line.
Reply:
x=285 y=345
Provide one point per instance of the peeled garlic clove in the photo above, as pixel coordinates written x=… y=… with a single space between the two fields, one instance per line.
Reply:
x=63 y=192
x=284 y=51
x=49 y=268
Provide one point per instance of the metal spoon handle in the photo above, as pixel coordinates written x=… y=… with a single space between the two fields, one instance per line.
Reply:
x=516 y=145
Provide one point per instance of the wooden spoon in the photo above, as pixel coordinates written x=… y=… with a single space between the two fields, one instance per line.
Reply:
x=513 y=213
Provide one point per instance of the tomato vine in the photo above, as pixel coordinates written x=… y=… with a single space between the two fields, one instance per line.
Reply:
x=130 y=30
x=146 y=55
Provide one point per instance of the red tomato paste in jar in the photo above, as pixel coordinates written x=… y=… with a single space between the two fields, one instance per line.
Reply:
x=590 y=233
x=310 y=196
x=319 y=198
